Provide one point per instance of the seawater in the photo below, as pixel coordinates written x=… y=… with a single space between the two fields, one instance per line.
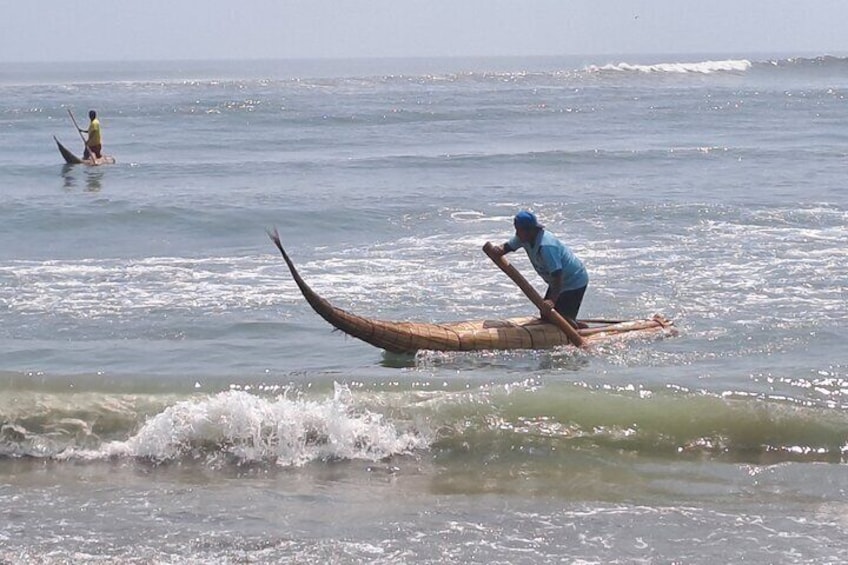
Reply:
x=166 y=394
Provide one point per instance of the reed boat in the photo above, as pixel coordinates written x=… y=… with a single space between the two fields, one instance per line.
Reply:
x=72 y=159
x=505 y=334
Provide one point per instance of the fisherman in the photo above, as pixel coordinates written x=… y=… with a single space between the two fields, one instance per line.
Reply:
x=93 y=144
x=559 y=267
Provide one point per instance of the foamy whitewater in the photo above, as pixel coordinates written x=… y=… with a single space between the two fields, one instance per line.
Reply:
x=704 y=67
x=168 y=396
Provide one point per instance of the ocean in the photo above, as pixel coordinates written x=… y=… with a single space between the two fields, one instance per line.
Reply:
x=168 y=396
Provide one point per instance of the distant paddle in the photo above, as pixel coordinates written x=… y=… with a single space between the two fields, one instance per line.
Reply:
x=84 y=142
x=76 y=125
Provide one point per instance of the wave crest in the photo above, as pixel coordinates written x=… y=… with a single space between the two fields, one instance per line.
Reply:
x=242 y=428
x=703 y=67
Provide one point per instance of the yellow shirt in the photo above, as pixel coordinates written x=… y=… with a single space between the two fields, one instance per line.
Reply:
x=94 y=133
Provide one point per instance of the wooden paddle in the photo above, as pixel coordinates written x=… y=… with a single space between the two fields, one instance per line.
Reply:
x=552 y=316
x=84 y=142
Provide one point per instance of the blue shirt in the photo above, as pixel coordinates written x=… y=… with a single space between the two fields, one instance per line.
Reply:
x=548 y=255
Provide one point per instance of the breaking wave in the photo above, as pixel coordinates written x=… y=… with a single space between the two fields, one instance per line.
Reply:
x=235 y=426
x=703 y=67
x=519 y=419
x=807 y=65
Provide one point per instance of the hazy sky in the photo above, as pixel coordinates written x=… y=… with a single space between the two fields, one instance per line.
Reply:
x=54 y=30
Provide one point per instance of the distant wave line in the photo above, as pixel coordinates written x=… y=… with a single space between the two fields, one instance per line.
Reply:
x=703 y=67
x=483 y=74
x=719 y=66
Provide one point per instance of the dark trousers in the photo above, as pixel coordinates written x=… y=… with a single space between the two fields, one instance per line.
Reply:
x=92 y=149
x=568 y=303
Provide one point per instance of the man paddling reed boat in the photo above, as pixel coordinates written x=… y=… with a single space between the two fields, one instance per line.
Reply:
x=94 y=143
x=555 y=262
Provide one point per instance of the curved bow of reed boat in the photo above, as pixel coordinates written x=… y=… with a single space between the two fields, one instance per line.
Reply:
x=396 y=337
x=512 y=333
x=67 y=155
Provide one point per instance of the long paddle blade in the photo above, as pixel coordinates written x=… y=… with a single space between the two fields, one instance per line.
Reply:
x=76 y=126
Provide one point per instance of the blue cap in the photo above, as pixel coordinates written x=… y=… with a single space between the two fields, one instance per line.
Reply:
x=526 y=220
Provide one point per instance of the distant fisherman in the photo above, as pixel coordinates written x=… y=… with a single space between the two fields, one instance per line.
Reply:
x=559 y=267
x=93 y=144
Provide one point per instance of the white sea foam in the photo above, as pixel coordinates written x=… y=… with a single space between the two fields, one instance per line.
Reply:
x=97 y=288
x=245 y=428
x=769 y=271
x=703 y=67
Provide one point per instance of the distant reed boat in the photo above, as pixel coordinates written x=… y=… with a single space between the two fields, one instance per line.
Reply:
x=72 y=159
